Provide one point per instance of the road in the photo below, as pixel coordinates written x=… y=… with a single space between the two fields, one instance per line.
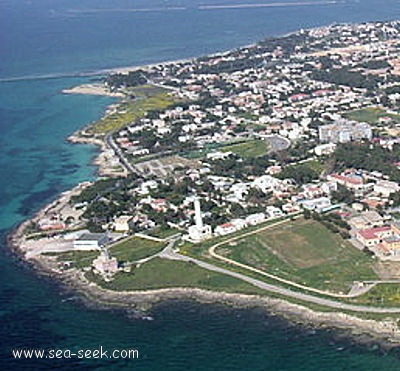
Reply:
x=111 y=144
x=357 y=290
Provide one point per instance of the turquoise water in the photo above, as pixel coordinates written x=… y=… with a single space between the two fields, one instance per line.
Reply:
x=50 y=38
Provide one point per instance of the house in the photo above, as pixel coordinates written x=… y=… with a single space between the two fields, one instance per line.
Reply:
x=224 y=229
x=290 y=208
x=90 y=241
x=105 y=264
x=319 y=205
x=266 y=183
x=352 y=181
x=121 y=224
x=52 y=224
x=273 y=212
x=389 y=248
x=325 y=149
x=374 y=236
x=385 y=188
x=239 y=223
x=254 y=219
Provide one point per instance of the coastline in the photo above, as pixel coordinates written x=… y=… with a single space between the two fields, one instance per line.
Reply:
x=386 y=331
x=364 y=331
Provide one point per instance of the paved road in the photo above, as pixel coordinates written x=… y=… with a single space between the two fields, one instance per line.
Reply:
x=169 y=253
x=110 y=143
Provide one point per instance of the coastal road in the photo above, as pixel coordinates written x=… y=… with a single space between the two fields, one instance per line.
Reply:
x=171 y=254
x=111 y=144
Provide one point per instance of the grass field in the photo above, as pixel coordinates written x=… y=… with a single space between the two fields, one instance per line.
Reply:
x=385 y=295
x=161 y=273
x=162 y=232
x=249 y=149
x=135 y=248
x=305 y=252
x=78 y=259
x=370 y=115
x=147 y=98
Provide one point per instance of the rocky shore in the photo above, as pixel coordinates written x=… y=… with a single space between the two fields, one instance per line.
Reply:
x=385 y=332
x=107 y=162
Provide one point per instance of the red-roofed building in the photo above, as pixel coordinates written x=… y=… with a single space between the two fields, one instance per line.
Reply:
x=225 y=229
x=349 y=181
x=298 y=97
x=374 y=236
x=321 y=93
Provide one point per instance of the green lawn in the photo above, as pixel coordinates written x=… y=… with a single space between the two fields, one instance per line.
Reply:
x=161 y=273
x=370 y=115
x=162 y=232
x=249 y=149
x=77 y=259
x=135 y=248
x=305 y=252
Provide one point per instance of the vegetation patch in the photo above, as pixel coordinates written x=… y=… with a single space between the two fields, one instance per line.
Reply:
x=142 y=99
x=162 y=232
x=371 y=115
x=385 y=295
x=160 y=273
x=249 y=149
x=135 y=248
x=305 y=252
x=77 y=259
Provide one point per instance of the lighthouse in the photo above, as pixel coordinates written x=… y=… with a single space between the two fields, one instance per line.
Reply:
x=197 y=213
x=199 y=231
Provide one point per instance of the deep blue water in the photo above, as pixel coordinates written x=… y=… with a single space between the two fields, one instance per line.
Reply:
x=62 y=38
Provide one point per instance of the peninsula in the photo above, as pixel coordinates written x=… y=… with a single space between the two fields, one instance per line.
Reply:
x=266 y=175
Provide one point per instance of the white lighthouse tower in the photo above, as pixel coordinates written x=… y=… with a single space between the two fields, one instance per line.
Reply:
x=197 y=213
x=199 y=231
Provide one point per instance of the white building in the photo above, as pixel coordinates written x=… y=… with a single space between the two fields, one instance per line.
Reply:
x=273 y=212
x=225 y=229
x=385 y=188
x=105 y=264
x=318 y=204
x=121 y=224
x=266 y=183
x=239 y=223
x=90 y=241
x=325 y=149
x=239 y=190
x=343 y=131
x=254 y=219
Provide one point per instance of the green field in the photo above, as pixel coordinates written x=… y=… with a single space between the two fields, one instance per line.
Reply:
x=161 y=273
x=370 y=115
x=77 y=259
x=249 y=149
x=147 y=98
x=135 y=248
x=305 y=252
x=162 y=232
x=385 y=295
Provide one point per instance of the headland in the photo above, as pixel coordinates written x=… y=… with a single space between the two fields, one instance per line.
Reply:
x=262 y=176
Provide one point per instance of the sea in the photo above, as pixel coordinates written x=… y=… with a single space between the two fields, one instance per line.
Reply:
x=49 y=45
